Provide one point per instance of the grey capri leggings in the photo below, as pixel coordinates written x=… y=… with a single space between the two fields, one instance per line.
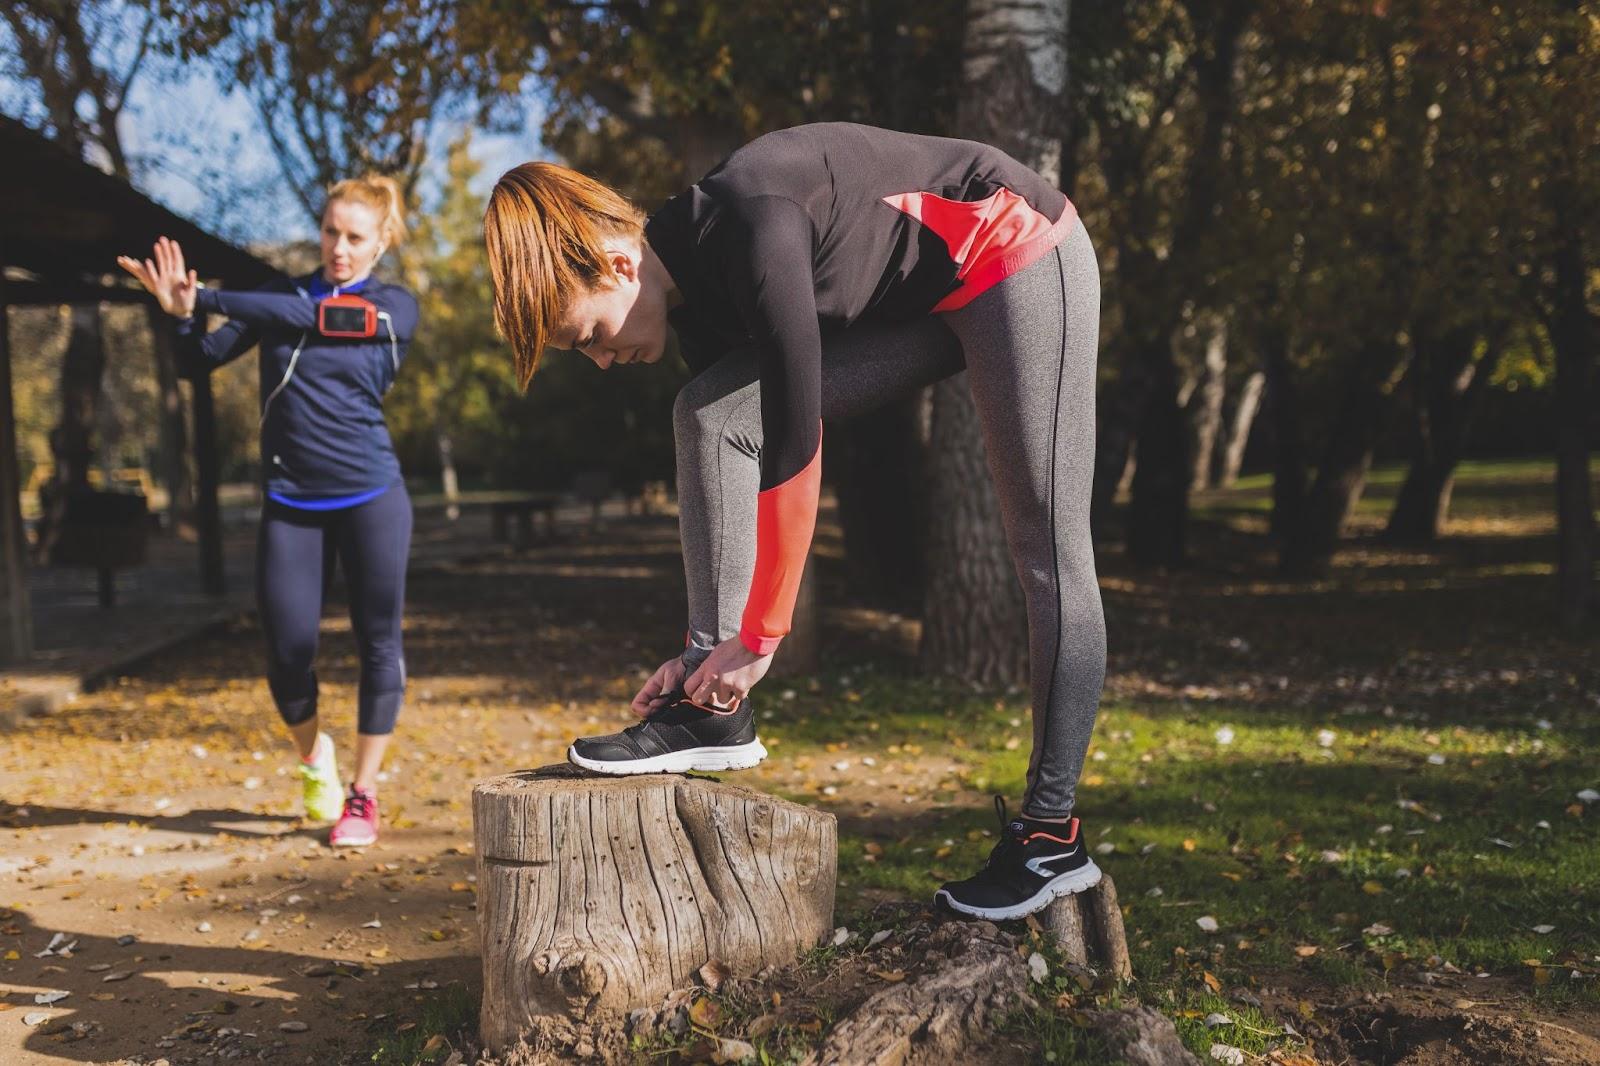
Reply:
x=1029 y=346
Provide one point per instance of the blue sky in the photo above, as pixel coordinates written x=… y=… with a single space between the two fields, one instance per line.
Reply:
x=202 y=150
x=163 y=119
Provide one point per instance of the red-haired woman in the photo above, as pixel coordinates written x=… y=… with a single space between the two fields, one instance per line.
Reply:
x=821 y=272
x=331 y=344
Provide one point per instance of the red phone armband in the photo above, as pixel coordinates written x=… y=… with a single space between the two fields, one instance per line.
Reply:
x=347 y=316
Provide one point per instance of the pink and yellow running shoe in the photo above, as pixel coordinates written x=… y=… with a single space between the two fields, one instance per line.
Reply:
x=358 y=825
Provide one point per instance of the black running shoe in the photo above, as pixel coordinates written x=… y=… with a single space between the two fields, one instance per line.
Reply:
x=1033 y=864
x=679 y=735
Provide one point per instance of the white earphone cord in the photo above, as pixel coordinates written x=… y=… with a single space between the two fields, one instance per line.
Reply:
x=394 y=357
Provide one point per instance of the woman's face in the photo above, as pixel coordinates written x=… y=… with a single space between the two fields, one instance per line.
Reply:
x=352 y=241
x=622 y=321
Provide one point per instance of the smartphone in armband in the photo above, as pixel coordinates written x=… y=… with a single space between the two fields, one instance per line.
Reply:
x=347 y=316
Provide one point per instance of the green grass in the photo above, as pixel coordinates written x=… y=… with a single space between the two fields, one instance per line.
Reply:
x=1483 y=489
x=446 y=1015
x=1304 y=854
x=1285 y=842
x=1382 y=844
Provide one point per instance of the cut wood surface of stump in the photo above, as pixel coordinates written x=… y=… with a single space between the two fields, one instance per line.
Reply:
x=604 y=893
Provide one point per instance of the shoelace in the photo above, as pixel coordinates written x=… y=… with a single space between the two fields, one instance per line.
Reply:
x=358 y=805
x=1009 y=845
x=640 y=725
x=662 y=708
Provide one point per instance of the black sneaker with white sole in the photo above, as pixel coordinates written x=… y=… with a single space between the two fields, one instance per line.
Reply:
x=678 y=736
x=1033 y=863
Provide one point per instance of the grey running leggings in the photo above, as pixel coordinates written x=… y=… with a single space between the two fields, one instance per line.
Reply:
x=1029 y=347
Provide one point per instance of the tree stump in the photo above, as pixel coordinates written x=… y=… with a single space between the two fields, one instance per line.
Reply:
x=1088 y=928
x=604 y=893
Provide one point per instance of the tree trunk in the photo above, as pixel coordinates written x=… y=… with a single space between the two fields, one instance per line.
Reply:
x=447 y=471
x=875 y=465
x=1206 y=403
x=1244 y=417
x=1113 y=457
x=1159 y=509
x=1423 y=502
x=174 y=462
x=1158 y=514
x=72 y=439
x=974 y=622
x=82 y=368
x=1445 y=386
x=1342 y=473
x=1288 y=457
x=1572 y=334
x=603 y=894
x=16 y=613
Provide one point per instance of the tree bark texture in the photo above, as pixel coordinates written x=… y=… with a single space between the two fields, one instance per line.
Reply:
x=449 y=483
x=972 y=974
x=1245 y=410
x=603 y=894
x=1205 y=405
x=1572 y=332
x=72 y=439
x=974 y=619
x=1445 y=383
x=974 y=624
x=876 y=467
x=1088 y=928
x=16 y=614
x=1342 y=472
x=979 y=976
x=1289 y=454
x=1158 y=512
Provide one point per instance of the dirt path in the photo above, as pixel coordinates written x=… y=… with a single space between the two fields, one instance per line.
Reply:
x=152 y=825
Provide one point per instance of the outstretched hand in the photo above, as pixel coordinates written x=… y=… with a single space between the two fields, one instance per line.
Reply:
x=728 y=674
x=165 y=277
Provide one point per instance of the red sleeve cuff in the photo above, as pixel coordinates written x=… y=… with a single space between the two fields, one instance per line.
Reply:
x=757 y=643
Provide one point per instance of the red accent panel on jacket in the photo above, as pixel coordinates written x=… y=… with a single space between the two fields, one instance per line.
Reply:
x=989 y=239
x=786 y=517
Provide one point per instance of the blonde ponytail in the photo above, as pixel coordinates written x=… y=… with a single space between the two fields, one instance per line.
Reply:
x=381 y=193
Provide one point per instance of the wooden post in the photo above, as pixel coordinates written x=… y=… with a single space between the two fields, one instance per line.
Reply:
x=16 y=636
x=1088 y=928
x=208 y=515
x=602 y=893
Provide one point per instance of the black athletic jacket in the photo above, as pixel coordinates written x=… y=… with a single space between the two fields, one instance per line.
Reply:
x=807 y=231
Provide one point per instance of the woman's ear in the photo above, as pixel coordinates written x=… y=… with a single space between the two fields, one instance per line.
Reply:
x=625 y=263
